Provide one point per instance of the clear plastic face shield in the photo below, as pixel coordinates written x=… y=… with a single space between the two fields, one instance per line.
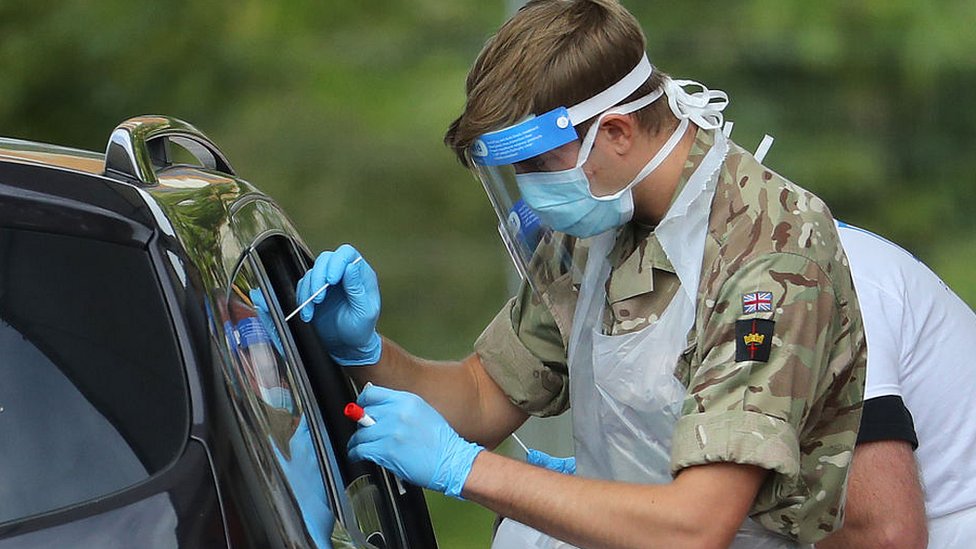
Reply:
x=533 y=171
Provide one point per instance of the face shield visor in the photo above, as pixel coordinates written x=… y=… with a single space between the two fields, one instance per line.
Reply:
x=523 y=169
x=533 y=172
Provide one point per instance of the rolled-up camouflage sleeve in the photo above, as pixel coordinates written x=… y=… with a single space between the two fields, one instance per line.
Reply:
x=764 y=351
x=522 y=350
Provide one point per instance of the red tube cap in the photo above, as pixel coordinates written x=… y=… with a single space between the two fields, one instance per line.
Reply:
x=354 y=411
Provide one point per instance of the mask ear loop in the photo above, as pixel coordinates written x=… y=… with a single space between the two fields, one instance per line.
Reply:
x=587 y=146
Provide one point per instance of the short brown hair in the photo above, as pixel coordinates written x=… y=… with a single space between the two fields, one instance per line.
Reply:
x=553 y=53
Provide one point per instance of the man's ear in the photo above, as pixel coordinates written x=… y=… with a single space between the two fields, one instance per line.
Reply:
x=619 y=131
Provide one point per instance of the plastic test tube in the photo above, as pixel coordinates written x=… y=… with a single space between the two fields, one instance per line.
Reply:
x=356 y=413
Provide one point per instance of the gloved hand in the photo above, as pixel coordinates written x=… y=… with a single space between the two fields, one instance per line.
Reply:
x=559 y=465
x=345 y=314
x=413 y=441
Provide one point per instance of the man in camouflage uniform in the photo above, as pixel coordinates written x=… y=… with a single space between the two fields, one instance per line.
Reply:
x=771 y=373
x=812 y=380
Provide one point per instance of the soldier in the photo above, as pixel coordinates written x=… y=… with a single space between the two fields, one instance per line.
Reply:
x=694 y=307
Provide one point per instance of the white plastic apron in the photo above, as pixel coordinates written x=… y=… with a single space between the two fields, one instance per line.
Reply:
x=625 y=398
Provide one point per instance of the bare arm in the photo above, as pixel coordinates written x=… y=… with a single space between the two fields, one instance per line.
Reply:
x=885 y=504
x=702 y=508
x=461 y=391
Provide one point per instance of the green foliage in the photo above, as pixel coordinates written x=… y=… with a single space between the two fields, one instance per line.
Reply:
x=337 y=109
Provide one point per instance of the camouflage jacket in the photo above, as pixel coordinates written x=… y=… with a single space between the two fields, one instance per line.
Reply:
x=775 y=363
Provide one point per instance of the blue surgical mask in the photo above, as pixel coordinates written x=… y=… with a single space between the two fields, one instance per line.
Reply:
x=563 y=201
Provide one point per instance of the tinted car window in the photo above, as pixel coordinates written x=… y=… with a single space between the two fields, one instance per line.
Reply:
x=92 y=388
x=269 y=390
x=369 y=494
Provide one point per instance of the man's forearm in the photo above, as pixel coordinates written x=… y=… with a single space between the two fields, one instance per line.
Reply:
x=460 y=390
x=885 y=504
x=703 y=507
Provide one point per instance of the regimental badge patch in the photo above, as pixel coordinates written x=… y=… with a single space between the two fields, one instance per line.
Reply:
x=753 y=339
x=757 y=302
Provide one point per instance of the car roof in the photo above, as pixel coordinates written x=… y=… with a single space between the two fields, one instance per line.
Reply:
x=52 y=155
x=192 y=204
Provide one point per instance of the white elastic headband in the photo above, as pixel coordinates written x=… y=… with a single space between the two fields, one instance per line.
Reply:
x=581 y=112
x=703 y=107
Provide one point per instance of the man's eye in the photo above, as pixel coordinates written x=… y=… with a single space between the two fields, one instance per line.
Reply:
x=530 y=165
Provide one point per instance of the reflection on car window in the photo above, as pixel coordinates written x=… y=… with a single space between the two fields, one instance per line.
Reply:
x=370 y=510
x=267 y=385
x=92 y=389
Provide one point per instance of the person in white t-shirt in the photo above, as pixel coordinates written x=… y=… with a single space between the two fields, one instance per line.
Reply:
x=919 y=396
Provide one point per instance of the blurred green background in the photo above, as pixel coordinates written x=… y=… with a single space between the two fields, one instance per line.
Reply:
x=337 y=109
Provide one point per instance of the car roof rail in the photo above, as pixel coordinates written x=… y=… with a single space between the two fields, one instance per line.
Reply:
x=138 y=148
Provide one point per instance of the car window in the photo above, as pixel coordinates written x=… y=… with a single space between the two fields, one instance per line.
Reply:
x=92 y=387
x=269 y=392
x=377 y=507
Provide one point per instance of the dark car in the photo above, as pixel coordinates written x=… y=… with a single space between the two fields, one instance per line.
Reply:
x=152 y=393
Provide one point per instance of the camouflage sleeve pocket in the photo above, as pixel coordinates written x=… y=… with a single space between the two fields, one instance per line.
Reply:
x=762 y=351
x=538 y=388
x=765 y=341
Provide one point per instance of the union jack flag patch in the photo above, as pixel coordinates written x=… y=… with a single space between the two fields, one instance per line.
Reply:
x=757 y=302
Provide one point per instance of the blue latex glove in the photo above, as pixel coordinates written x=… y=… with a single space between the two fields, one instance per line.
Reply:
x=413 y=441
x=559 y=465
x=345 y=314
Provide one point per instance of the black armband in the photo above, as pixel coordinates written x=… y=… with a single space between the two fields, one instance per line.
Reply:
x=887 y=418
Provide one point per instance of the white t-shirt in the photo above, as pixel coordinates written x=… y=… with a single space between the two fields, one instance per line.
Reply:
x=921 y=340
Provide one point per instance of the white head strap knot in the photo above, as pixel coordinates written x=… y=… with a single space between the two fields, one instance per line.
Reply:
x=703 y=107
